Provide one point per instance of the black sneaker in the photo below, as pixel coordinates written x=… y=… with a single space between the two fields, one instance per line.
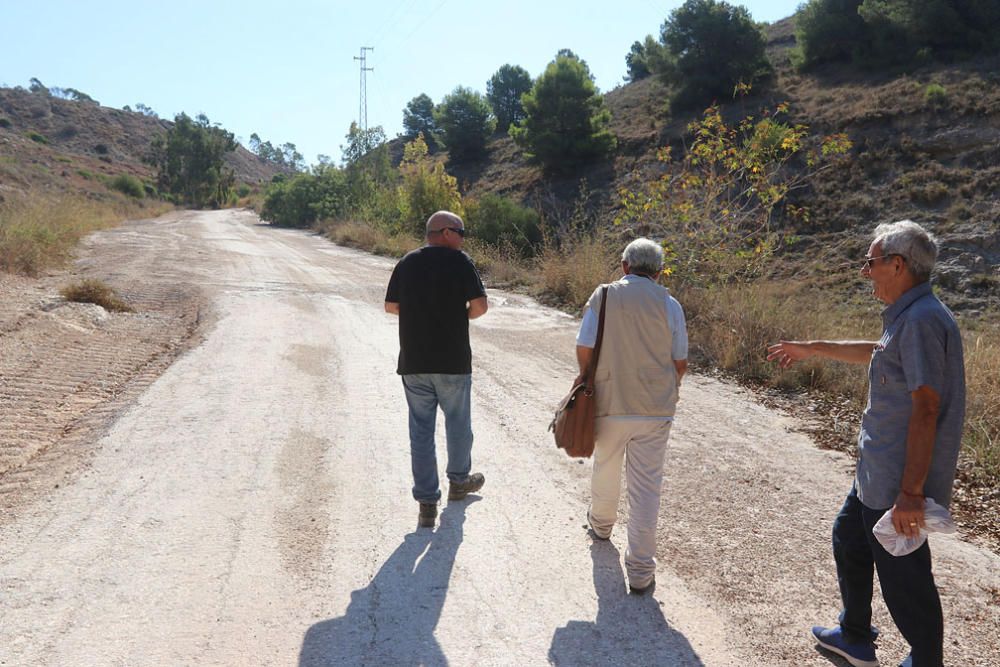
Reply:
x=459 y=490
x=428 y=515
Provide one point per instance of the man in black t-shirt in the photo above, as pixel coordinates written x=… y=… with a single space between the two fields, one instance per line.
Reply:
x=436 y=290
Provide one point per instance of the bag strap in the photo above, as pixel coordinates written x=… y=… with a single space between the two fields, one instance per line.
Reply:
x=592 y=367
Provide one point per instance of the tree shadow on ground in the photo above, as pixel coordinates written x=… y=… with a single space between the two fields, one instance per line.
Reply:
x=391 y=621
x=628 y=629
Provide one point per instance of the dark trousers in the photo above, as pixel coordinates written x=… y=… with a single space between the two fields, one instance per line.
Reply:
x=907 y=585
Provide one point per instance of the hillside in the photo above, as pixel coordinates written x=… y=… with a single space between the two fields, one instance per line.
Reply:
x=932 y=159
x=60 y=145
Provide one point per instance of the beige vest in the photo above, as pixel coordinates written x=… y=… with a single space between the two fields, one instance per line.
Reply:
x=635 y=372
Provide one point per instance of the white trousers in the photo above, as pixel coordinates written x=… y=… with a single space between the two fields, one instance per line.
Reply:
x=643 y=445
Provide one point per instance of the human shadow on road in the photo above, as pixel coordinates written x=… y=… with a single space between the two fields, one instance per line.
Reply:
x=629 y=629
x=391 y=621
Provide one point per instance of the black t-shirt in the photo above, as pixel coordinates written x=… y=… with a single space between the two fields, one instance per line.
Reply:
x=432 y=285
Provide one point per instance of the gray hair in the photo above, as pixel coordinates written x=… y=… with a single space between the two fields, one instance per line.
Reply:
x=911 y=242
x=643 y=256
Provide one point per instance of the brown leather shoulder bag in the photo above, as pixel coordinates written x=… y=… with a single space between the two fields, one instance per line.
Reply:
x=573 y=424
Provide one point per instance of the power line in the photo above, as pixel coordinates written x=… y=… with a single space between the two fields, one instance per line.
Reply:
x=425 y=19
x=389 y=21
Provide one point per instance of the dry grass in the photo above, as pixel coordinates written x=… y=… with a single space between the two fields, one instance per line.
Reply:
x=730 y=328
x=568 y=273
x=38 y=232
x=981 y=450
x=97 y=292
x=368 y=237
x=502 y=266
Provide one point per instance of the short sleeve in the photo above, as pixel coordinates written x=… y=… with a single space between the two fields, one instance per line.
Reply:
x=392 y=291
x=472 y=287
x=922 y=353
x=678 y=330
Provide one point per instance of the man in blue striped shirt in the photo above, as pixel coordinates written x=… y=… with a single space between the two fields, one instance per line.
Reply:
x=911 y=432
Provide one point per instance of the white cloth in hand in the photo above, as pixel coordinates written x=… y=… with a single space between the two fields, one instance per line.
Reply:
x=936 y=520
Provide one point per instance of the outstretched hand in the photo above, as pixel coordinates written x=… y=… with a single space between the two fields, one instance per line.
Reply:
x=788 y=352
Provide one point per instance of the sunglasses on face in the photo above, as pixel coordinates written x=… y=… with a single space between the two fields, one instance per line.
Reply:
x=871 y=260
x=458 y=230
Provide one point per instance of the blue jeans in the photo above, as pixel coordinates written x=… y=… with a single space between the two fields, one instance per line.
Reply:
x=907 y=585
x=424 y=393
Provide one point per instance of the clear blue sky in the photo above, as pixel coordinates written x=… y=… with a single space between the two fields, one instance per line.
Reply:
x=286 y=69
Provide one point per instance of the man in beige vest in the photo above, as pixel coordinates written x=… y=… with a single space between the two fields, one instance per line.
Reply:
x=642 y=359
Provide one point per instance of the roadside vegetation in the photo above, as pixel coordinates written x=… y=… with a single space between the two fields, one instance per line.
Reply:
x=189 y=163
x=96 y=292
x=38 y=232
x=723 y=208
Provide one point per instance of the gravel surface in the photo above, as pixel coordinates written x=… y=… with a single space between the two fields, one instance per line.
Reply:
x=222 y=478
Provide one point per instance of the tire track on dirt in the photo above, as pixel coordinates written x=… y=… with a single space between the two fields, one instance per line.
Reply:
x=67 y=369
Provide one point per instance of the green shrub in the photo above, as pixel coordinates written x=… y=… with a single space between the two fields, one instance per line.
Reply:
x=715 y=206
x=940 y=26
x=418 y=117
x=929 y=194
x=935 y=95
x=566 y=122
x=499 y=221
x=38 y=138
x=466 y=123
x=87 y=175
x=95 y=291
x=190 y=164
x=829 y=30
x=129 y=185
x=303 y=199
x=711 y=47
x=504 y=90
x=426 y=188
x=643 y=58
x=5 y=123
x=101 y=149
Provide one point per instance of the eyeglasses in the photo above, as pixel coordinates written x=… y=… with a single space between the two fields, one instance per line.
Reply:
x=869 y=260
x=458 y=230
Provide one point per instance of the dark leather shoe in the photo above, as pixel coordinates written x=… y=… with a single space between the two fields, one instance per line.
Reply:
x=428 y=515
x=472 y=483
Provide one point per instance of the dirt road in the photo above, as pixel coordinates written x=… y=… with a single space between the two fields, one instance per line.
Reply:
x=250 y=505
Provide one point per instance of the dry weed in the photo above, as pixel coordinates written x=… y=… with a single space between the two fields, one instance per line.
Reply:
x=97 y=292
x=501 y=266
x=364 y=236
x=982 y=414
x=570 y=271
x=730 y=328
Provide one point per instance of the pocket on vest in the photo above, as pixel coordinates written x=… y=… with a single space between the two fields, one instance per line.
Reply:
x=661 y=387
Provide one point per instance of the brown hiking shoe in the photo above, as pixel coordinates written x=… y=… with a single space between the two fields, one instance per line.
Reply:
x=428 y=515
x=459 y=490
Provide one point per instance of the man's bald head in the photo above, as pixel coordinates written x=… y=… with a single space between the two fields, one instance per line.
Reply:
x=444 y=228
x=443 y=219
